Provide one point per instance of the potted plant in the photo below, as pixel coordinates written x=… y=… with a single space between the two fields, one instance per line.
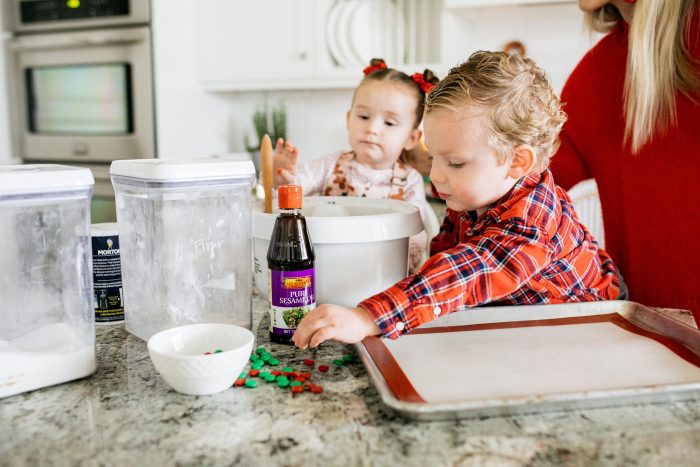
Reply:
x=270 y=120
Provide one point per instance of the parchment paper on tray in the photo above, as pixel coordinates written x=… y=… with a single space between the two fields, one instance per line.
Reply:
x=499 y=360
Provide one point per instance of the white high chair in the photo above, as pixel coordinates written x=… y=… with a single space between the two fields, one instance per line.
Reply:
x=431 y=225
x=587 y=205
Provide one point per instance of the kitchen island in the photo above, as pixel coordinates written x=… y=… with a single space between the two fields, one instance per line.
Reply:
x=125 y=414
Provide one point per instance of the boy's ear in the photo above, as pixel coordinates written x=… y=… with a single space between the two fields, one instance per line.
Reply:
x=413 y=139
x=347 y=120
x=522 y=161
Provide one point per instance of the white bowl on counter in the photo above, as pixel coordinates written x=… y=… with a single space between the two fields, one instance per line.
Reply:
x=361 y=245
x=180 y=356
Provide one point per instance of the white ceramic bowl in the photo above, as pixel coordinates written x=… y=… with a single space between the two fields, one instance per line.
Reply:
x=361 y=244
x=179 y=356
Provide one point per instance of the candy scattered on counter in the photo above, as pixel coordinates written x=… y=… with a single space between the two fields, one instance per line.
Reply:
x=296 y=381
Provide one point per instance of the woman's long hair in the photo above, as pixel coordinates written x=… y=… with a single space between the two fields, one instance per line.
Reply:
x=658 y=64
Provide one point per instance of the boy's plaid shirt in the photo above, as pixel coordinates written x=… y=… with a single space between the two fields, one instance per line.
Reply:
x=529 y=248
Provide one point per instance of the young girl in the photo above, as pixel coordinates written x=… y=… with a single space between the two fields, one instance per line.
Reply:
x=383 y=124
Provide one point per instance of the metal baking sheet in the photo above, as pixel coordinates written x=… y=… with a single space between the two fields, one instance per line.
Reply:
x=524 y=359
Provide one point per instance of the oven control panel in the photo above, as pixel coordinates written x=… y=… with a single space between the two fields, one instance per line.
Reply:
x=39 y=11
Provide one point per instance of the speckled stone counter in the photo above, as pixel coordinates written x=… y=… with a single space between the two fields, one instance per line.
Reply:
x=125 y=414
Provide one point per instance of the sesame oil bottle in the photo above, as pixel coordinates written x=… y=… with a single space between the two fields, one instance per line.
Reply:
x=291 y=273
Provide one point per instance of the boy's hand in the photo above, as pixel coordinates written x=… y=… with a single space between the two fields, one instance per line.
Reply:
x=284 y=162
x=347 y=325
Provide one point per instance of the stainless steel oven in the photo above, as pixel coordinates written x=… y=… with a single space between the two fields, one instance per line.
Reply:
x=80 y=83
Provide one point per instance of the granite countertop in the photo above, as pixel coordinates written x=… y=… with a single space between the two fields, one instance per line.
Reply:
x=125 y=414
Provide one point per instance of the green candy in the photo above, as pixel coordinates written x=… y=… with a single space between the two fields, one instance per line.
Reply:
x=348 y=358
x=251 y=383
x=295 y=383
x=273 y=362
x=254 y=358
x=260 y=350
x=243 y=374
x=338 y=361
x=283 y=383
x=287 y=369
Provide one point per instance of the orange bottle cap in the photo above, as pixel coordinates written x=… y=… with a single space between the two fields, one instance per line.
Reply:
x=289 y=196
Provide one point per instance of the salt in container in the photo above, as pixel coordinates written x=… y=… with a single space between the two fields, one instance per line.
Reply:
x=47 y=335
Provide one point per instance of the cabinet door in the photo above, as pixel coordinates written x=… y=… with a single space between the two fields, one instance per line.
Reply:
x=254 y=45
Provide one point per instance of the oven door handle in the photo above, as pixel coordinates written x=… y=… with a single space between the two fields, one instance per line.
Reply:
x=78 y=40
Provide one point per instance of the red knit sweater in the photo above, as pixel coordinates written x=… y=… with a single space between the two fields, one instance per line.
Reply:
x=651 y=203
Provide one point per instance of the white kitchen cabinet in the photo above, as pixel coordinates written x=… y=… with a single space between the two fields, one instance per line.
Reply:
x=253 y=45
x=310 y=44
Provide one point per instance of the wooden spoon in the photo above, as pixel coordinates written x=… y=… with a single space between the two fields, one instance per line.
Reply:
x=266 y=162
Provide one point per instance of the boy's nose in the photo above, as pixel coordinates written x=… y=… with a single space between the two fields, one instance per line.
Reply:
x=435 y=175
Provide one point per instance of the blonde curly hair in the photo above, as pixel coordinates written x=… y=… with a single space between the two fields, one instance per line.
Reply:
x=516 y=97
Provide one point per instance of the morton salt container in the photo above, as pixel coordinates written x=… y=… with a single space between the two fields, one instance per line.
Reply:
x=47 y=330
x=185 y=241
x=108 y=299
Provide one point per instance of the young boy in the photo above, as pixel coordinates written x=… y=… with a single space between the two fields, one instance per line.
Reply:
x=510 y=236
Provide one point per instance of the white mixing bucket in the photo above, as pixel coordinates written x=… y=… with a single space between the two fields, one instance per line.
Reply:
x=361 y=245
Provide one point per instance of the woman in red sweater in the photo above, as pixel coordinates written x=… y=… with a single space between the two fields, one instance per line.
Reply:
x=634 y=125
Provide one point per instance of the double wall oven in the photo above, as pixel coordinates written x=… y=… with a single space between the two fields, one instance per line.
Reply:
x=80 y=85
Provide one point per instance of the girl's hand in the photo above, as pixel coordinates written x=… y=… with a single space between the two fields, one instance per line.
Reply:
x=284 y=163
x=347 y=325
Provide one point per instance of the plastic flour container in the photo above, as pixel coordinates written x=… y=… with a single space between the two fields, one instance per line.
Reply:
x=47 y=334
x=185 y=242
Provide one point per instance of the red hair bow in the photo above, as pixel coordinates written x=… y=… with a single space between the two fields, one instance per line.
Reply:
x=424 y=85
x=372 y=68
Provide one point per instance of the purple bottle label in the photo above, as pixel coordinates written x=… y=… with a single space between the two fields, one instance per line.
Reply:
x=292 y=295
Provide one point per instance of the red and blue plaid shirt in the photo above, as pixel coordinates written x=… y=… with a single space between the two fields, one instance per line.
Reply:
x=528 y=248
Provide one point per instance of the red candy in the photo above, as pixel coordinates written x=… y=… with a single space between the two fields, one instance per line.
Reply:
x=309 y=362
x=239 y=382
x=254 y=372
x=323 y=368
x=276 y=373
x=316 y=389
x=305 y=375
x=297 y=389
